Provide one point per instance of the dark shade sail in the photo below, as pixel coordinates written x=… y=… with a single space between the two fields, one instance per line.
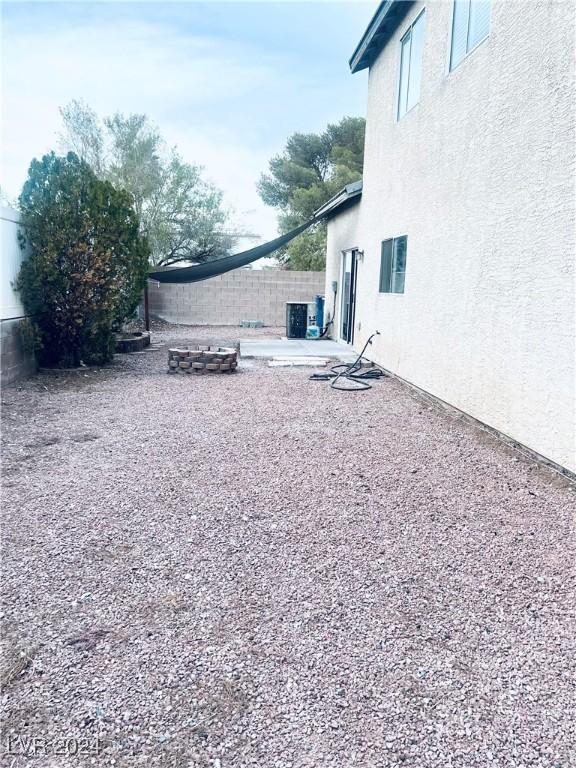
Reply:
x=219 y=266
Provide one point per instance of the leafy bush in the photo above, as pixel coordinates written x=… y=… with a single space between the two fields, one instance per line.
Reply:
x=30 y=336
x=87 y=265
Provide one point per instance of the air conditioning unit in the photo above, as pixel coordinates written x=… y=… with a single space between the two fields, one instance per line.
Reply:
x=296 y=319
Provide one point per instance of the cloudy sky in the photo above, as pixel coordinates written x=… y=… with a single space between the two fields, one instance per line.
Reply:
x=227 y=82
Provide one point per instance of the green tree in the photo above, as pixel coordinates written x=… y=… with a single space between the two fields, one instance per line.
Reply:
x=182 y=215
x=185 y=218
x=83 y=134
x=312 y=168
x=88 y=262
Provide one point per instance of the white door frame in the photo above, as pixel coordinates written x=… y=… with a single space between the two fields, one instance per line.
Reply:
x=348 y=264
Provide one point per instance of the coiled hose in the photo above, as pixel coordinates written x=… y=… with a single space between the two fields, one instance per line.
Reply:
x=352 y=373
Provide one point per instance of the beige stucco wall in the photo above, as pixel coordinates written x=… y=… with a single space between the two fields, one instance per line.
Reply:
x=342 y=234
x=480 y=177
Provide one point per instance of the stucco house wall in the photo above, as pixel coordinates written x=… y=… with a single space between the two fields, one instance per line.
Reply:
x=342 y=234
x=480 y=177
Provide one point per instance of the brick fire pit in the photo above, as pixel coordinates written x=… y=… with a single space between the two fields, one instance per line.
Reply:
x=203 y=359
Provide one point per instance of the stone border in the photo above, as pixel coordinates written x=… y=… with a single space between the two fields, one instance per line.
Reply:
x=203 y=359
x=134 y=342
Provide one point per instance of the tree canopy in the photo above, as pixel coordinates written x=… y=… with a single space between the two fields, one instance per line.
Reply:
x=310 y=170
x=88 y=262
x=181 y=214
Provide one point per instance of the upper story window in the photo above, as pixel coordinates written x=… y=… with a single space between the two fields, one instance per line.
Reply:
x=411 y=47
x=393 y=265
x=470 y=25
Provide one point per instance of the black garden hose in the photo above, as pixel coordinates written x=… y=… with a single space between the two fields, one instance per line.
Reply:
x=326 y=329
x=352 y=372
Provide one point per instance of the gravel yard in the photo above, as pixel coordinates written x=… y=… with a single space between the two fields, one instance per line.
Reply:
x=256 y=570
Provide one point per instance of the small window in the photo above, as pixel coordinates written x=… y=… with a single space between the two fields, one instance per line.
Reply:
x=393 y=265
x=411 y=47
x=470 y=25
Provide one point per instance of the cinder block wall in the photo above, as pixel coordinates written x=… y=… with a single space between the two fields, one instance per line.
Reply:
x=16 y=361
x=243 y=294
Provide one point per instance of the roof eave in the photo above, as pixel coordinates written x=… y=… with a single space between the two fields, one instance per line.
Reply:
x=350 y=194
x=378 y=32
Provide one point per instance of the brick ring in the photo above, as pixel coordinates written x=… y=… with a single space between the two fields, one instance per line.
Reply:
x=203 y=359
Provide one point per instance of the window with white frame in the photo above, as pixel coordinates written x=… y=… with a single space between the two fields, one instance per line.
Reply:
x=393 y=265
x=470 y=25
x=411 y=46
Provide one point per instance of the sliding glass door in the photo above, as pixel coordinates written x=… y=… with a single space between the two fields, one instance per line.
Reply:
x=348 y=296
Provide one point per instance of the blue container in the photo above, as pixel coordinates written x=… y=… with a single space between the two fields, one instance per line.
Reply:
x=312 y=332
x=320 y=312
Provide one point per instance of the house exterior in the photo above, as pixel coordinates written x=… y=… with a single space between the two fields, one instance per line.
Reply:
x=460 y=248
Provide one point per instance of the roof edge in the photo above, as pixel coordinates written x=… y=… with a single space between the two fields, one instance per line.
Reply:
x=348 y=195
x=378 y=31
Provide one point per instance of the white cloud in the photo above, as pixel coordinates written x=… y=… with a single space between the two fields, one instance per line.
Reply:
x=228 y=102
x=133 y=68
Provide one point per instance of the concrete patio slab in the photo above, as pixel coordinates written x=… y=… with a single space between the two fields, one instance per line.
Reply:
x=267 y=349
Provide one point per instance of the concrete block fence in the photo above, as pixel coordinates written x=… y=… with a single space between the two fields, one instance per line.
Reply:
x=244 y=294
x=16 y=361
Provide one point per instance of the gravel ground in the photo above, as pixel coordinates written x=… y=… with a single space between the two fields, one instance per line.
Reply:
x=255 y=570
